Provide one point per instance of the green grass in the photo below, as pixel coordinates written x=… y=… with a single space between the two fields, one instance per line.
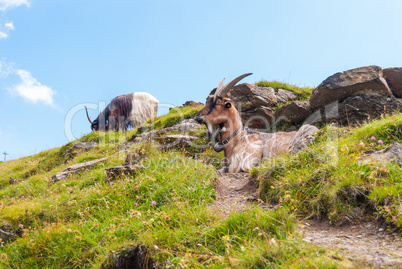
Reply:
x=330 y=180
x=84 y=221
x=303 y=93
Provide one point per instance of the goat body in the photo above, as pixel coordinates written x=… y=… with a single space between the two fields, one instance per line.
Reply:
x=125 y=110
x=246 y=148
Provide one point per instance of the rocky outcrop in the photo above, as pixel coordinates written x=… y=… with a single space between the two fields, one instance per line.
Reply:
x=6 y=236
x=256 y=105
x=85 y=145
x=394 y=78
x=177 y=141
x=360 y=108
x=293 y=112
x=341 y=86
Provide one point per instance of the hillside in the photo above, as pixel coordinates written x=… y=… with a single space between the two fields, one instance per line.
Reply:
x=164 y=212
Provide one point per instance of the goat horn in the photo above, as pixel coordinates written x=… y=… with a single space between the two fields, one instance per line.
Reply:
x=89 y=118
x=223 y=90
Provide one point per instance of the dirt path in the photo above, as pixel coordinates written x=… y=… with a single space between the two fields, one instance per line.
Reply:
x=368 y=245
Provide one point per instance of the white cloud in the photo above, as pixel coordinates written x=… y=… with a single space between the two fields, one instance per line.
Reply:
x=3 y=35
x=6 y=4
x=32 y=90
x=9 y=26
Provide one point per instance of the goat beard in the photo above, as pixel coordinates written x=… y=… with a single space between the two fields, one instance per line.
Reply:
x=213 y=131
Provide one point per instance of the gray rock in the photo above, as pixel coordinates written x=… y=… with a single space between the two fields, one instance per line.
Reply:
x=85 y=145
x=119 y=171
x=75 y=168
x=14 y=181
x=176 y=140
x=256 y=105
x=391 y=153
x=358 y=109
x=7 y=236
x=394 y=78
x=350 y=83
x=293 y=112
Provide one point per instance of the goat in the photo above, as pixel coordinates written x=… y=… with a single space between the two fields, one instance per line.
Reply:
x=243 y=148
x=125 y=110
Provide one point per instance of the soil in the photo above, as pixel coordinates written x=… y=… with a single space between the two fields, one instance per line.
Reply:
x=367 y=245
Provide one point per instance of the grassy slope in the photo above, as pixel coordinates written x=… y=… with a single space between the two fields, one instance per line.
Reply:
x=79 y=221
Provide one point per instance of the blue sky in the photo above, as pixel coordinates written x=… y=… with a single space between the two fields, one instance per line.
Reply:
x=56 y=55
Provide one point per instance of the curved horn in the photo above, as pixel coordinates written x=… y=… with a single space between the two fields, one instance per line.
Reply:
x=89 y=118
x=223 y=90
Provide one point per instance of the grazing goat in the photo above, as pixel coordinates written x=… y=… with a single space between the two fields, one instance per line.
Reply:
x=125 y=110
x=243 y=148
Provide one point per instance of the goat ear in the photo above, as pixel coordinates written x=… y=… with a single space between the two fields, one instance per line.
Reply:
x=228 y=105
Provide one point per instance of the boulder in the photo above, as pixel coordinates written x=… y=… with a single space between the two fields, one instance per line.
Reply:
x=295 y=111
x=350 y=83
x=394 y=78
x=256 y=105
x=361 y=108
x=119 y=171
x=14 y=181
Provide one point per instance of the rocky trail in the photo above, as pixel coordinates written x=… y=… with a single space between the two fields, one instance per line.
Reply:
x=368 y=245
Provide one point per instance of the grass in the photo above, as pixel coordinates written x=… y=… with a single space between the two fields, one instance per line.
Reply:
x=331 y=180
x=167 y=206
x=302 y=93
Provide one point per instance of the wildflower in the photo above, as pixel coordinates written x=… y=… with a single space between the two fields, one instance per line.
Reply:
x=153 y=203
x=372 y=138
x=78 y=238
x=135 y=204
x=174 y=160
x=111 y=183
x=131 y=181
x=178 y=157
x=380 y=142
x=3 y=256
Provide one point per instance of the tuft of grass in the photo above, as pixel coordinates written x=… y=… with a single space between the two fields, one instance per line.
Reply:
x=303 y=93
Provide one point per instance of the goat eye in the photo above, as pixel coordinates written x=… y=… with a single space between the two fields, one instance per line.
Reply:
x=228 y=105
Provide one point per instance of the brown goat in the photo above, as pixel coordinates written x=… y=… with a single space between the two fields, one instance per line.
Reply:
x=243 y=148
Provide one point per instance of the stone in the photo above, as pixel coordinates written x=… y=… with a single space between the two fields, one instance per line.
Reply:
x=349 y=83
x=7 y=236
x=119 y=171
x=358 y=109
x=256 y=105
x=394 y=78
x=75 y=168
x=14 y=181
x=392 y=153
x=85 y=145
x=295 y=111
x=177 y=141
x=192 y=103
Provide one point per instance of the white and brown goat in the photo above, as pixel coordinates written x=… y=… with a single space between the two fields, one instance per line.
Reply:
x=243 y=148
x=125 y=110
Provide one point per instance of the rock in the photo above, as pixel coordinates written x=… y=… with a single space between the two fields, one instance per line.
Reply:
x=182 y=127
x=118 y=171
x=293 y=112
x=350 y=83
x=75 y=168
x=176 y=140
x=256 y=104
x=85 y=145
x=394 y=78
x=192 y=103
x=14 y=181
x=391 y=153
x=361 y=108
x=7 y=236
